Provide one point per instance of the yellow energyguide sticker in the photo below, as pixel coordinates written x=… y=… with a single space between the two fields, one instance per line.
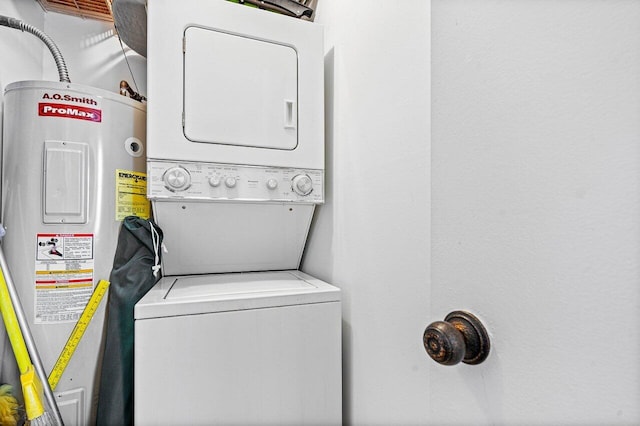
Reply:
x=131 y=195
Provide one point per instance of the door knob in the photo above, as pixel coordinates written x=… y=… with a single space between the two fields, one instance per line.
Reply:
x=460 y=337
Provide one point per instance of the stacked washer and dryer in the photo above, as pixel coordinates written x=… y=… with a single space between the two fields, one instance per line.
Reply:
x=234 y=333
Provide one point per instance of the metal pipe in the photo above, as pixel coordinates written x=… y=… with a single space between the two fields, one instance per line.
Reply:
x=57 y=55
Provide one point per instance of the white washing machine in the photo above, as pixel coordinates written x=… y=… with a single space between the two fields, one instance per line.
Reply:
x=238 y=349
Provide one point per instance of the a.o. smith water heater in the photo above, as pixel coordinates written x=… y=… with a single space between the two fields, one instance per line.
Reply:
x=73 y=167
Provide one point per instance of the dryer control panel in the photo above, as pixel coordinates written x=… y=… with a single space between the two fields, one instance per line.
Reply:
x=215 y=181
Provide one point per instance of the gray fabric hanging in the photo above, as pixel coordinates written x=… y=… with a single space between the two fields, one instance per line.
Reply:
x=134 y=264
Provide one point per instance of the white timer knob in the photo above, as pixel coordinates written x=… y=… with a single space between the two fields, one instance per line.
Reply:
x=302 y=184
x=214 y=181
x=272 y=184
x=230 y=182
x=177 y=178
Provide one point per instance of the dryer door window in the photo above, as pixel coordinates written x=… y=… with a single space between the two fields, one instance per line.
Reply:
x=239 y=91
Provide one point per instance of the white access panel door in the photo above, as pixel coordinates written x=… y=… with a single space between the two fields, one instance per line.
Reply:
x=272 y=236
x=239 y=90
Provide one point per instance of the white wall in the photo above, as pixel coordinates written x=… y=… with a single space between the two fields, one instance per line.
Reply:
x=21 y=53
x=93 y=54
x=371 y=238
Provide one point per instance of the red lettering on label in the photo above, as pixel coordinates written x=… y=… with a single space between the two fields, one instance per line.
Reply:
x=69 y=111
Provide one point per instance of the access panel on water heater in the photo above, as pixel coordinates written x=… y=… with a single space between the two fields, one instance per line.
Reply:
x=253 y=84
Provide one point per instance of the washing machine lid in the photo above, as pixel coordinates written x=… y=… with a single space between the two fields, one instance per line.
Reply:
x=201 y=294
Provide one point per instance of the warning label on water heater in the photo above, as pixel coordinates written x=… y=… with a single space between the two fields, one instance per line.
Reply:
x=64 y=276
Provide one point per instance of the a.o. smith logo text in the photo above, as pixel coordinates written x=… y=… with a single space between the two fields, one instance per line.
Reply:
x=69 y=98
x=69 y=111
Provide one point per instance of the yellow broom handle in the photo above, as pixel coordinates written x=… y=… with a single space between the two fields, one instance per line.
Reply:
x=13 y=328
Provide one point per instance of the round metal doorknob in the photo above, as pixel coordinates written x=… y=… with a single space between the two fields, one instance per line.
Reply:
x=460 y=337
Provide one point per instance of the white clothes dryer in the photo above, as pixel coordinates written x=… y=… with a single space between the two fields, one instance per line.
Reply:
x=238 y=349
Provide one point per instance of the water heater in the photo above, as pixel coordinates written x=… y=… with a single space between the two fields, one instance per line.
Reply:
x=73 y=167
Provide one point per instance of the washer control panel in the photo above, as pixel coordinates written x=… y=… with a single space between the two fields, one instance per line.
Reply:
x=215 y=181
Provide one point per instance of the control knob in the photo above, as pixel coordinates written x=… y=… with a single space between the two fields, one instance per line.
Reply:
x=302 y=184
x=272 y=183
x=214 y=181
x=230 y=182
x=176 y=178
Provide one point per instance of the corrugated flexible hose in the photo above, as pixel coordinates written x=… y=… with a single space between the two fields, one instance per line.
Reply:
x=57 y=55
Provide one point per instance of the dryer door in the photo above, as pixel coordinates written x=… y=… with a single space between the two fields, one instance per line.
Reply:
x=239 y=91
